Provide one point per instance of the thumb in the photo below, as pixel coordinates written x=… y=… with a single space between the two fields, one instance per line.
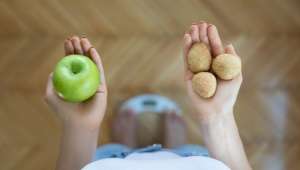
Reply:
x=50 y=95
x=229 y=49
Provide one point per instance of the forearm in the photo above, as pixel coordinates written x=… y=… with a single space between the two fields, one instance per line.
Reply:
x=223 y=141
x=78 y=145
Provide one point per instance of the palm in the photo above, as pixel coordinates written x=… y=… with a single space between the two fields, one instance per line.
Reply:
x=227 y=91
x=86 y=112
x=92 y=110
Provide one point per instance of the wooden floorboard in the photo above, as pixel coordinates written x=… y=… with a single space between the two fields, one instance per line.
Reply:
x=140 y=43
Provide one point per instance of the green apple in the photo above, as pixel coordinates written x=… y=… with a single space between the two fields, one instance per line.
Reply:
x=76 y=78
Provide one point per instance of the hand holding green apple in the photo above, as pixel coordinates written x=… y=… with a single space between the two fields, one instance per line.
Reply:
x=76 y=90
x=76 y=78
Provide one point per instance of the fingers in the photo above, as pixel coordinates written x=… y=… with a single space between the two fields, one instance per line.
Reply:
x=208 y=34
x=72 y=46
x=86 y=46
x=198 y=32
x=194 y=32
x=96 y=58
x=203 y=32
x=227 y=86
x=76 y=44
x=214 y=40
x=83 y=46
x=50 y=95
x=91 y=52
x=187 y=43
x=69 y=49
x=229 y=49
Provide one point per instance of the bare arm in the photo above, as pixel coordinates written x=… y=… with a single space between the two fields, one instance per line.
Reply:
x=81 y=121
x=222 y=139
x=78 y=145
x=215 y=115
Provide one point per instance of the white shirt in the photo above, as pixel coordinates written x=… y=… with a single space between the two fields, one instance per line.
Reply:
x=161 y=160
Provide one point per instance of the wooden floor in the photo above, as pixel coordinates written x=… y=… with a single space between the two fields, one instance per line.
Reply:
x=140 y=41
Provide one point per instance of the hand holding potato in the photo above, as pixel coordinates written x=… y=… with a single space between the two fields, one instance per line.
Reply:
x=226 y=91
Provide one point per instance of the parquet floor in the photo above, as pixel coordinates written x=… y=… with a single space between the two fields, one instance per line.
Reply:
x=147 y=34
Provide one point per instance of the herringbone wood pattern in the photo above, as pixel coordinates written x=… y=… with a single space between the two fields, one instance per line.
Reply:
x=140 y=42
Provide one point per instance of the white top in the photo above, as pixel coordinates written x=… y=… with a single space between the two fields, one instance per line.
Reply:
x=161 y=160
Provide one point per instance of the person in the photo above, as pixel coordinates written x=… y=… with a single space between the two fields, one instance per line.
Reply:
x=215 y=116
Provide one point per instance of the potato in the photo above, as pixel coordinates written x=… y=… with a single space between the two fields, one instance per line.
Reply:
x=199 y=58
x=204 y=84
x=227 y=66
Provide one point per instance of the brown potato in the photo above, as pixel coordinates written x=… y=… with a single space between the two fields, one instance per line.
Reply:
x=204 y=84
x=199 y=58
x=227 y=66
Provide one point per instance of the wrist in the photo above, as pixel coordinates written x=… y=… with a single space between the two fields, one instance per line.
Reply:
x=81 y=125
x=215 y=117
x=78 y=145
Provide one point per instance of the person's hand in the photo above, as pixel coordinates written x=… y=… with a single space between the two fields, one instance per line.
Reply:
x=89 y=113
x=227 y=91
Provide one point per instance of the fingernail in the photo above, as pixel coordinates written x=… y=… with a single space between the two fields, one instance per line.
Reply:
x=210 y=25
x=74 y=36
x=202 y=23
x=89 y=50
x=194 y=26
